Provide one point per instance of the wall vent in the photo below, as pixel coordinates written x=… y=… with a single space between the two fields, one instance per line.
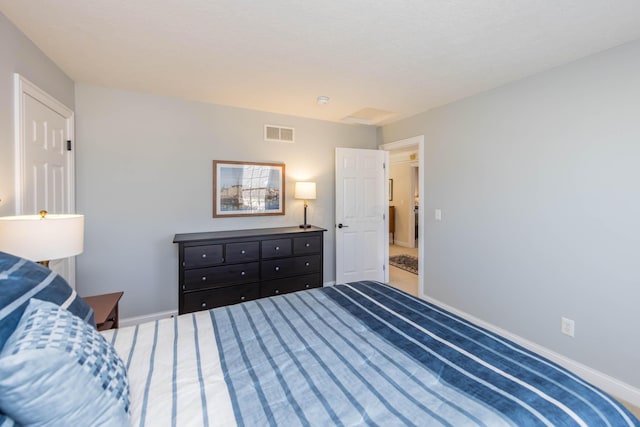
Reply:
x=279 y=133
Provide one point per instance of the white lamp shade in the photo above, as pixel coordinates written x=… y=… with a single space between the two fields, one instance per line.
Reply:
x=305 y=190
x=42 y=239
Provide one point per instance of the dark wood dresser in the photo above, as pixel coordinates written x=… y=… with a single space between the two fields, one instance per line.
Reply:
x=227 y=267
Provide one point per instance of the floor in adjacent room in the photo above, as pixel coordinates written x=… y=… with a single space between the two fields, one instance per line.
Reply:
x=400 y=278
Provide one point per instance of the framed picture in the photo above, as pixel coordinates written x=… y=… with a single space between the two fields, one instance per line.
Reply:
x=247 y=189
x=391 y=190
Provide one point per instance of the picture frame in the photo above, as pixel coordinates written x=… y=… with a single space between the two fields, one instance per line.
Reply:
x=248 y=189
x=390 y=190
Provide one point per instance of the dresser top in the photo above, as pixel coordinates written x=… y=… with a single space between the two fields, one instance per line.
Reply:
x=230 y=234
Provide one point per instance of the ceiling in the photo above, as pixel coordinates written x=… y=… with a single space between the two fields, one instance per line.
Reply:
x=377 y=60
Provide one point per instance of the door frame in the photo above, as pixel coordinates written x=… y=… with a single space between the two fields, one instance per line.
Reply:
x=416 y=141
x=24 y=87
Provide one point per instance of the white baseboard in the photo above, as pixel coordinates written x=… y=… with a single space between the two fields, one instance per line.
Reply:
x=130 y=321
x=611 y=385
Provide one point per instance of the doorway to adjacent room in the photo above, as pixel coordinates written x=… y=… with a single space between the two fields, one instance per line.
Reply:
x=406 y=173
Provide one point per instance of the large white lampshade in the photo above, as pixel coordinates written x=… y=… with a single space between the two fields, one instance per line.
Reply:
x=42 y=237
x=305 y=190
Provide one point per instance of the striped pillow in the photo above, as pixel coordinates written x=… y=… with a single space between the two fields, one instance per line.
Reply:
x=56 y=370
x=21 y=280
x=5 y=421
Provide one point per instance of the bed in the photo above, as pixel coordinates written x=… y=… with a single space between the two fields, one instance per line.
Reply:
x=361 y=353
x=355 y=354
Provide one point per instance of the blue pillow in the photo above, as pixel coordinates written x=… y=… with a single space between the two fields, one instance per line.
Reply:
x=5 y=421
x=57 y=370
x=20 y=280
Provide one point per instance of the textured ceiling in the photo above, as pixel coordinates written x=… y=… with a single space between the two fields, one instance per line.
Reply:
x=401 y=56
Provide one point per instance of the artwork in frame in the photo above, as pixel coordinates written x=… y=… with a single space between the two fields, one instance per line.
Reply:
x=247 y=189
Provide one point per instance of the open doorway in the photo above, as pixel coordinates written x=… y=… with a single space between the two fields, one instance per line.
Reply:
x=406 y=174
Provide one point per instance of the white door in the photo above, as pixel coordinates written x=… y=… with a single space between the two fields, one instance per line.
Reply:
x=44 y=166
x=362 y=204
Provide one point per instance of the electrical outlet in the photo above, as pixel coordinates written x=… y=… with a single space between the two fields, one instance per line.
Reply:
x=438 y=214
x=568 y=327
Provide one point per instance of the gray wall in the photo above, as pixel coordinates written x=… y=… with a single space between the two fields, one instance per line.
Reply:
x=19 y=55
x=539 y=186
x=144 y=173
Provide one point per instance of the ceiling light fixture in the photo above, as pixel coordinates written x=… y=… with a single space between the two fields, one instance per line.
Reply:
x=323 y=100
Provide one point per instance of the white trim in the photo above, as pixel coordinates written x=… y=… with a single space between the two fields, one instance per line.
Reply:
x=404 y=143
x=611 y=385
x=386 y=265
x=130 y=321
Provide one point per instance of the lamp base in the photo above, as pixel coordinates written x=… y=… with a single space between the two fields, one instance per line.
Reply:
x=305 y=225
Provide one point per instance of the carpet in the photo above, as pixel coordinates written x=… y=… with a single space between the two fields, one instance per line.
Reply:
x=405 y=262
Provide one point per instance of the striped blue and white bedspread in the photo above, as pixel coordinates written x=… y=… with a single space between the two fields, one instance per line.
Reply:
x=355 y=354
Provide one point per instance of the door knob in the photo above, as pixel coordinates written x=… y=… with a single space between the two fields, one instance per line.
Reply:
x=341 y=226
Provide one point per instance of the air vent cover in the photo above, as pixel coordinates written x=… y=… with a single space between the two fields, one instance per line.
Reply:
x=279 y=133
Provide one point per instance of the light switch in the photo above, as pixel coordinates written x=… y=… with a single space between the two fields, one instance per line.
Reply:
x=438 y=214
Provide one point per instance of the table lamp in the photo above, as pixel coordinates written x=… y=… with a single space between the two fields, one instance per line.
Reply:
x=42 y=237
x=305 y=191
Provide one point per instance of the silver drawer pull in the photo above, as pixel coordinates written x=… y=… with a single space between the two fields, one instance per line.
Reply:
x=204 y=255
x=204 y=304
x=243 y=252
x=307 y=245
x=242 y=298
x=204 y=278
x=242 y=273
x=306 y=264
x=277 y=291
x=277 y=248
x=277 y=268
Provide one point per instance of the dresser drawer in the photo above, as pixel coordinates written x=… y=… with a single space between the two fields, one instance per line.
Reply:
x=286 y=267
x=290 y=284
x=242 y=252
x=204 y=300
x=276 y=248
x=307 y=245
x=307 y=264
x=203 y=256
x=215 y=277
